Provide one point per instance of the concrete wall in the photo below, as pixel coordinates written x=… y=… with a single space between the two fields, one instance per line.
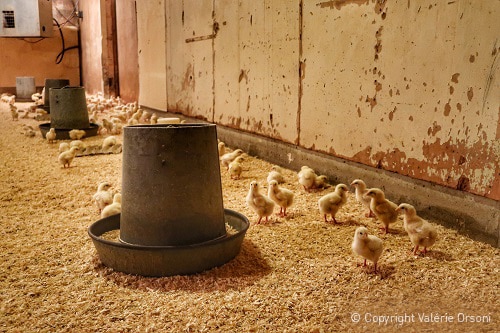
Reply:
x=405 y=86
x=36 y=57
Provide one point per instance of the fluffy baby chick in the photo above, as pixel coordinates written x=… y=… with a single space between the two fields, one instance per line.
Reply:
x=235 y=168
x=222 y=148
x=281 y=196
x=229 y=157
x=321 y=182
x=361 y=196
x=63 y=146
x=275 y=174
x=14 y=113
x=384 y=210
x=51 y=135
x=368 y=246
x=77 y=143
x=114 y=208
x=76 y=134
x=66 y=157
x=420 y=231
x=109 y=142
x=103 y=196
x=306 y=176
x=331 y=202
x=260 y=203
x=154 y=119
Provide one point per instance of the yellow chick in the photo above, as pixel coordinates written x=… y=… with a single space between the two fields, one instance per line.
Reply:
x=368 y=246
x=321 y=182
x=229 y=157
x=275 y=174
x=332 y=202
x=235 y=168
x=51 y=135
x=63 y=146
x=108 y=125
x=77 y=143
x=114 y=208
x=307 y=177
x=76 y=134
x=360 y=191
x=281 y=196
x=221 y=146
x=260 y=203
x=103 y=196
x=14 y=113
x=108 y=142
x=384 y=210
x=420 y=231
x=154 y=119
x=66 y=157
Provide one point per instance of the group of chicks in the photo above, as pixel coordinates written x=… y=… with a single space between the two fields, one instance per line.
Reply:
x=421 y=233
x=107 y=202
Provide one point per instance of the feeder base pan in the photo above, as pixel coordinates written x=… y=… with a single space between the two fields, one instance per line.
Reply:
x=63 y=133
x=167 y=260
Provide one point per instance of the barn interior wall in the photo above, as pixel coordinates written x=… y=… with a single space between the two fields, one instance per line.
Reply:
x=404 y=86
x=37 y=57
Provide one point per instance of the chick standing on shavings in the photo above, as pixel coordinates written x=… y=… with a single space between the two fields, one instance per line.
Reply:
x=332 y=202
x=66 y=157
x=229 y=157
x=221 y=147
x=260 y=203
x=51 y=135
x=275 y=174
x=113 y=208
x=103 y=196
x=368 y=246
x=283 y=197
x=361 y=196
x=235 y=168
x=384 y=210
x=420 y=231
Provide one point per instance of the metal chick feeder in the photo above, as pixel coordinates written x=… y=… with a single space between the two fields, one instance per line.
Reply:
x=68 y=111
x=172 y=221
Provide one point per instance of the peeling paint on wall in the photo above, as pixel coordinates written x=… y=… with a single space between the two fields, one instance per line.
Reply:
x=405 y=86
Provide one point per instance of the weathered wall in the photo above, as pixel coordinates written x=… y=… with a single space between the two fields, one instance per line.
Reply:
x=128 y=63
x=37 y=57
x=412 y=85
x=405 y=86
x=152 y=63
x=93 y=30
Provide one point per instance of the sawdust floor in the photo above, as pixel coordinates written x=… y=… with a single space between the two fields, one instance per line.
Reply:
x=294 y=274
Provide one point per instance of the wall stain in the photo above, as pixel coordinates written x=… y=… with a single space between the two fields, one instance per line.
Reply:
x=470 y=94
x=453 y=165
x=338 y=4
x=189 y=80
x=434 y=129
x=447 y=109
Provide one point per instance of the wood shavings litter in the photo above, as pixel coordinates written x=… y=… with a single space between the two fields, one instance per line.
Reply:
x=293 y=274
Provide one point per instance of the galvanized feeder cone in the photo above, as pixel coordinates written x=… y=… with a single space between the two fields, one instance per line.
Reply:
x=173 y=220
x=68 y=112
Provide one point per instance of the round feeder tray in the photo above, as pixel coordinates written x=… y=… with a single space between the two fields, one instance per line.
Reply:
x=167 y=260
x=63 y=133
